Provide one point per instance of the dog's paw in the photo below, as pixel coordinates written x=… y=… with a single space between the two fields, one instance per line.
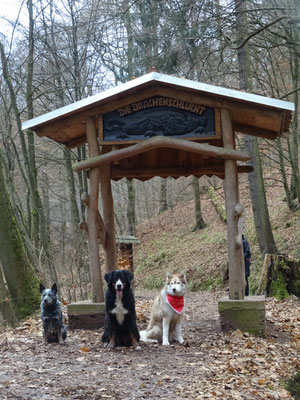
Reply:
x=110 y=346
x=152 y=340
x=166 y=343
x=180 y=340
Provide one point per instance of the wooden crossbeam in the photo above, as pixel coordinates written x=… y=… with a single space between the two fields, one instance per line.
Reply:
x=162 y=142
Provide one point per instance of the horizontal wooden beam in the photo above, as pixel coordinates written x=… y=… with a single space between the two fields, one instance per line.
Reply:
x=148 y=173
x=162 y=142
x=246 y=129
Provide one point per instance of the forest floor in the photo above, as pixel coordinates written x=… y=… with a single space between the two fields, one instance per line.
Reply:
x=211 y=364
x=168 y=242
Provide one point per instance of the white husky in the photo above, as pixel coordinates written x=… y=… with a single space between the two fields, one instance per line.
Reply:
x=167 y=312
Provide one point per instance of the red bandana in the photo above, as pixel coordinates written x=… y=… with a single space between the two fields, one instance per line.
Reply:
x=176 y=302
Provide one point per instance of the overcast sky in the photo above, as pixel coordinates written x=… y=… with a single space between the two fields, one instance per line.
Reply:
x=9 y=10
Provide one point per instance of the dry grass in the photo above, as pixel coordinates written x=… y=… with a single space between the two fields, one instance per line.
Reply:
x=168 y=242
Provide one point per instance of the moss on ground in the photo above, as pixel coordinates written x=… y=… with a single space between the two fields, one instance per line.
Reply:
x=154 y=282
x=153 y=260
x=211 y=284
x=278 y=288
x=293 y=385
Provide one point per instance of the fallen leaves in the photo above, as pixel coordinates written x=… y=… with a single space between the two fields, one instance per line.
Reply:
x=215 y=365
x=84 y=349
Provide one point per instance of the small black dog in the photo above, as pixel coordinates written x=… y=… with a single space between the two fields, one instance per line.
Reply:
x=120 y=327
x=53 y=328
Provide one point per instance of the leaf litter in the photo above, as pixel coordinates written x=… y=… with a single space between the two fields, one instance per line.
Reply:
x=211 y=364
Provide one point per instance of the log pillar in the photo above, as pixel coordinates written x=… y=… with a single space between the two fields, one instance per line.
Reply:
x=231 y=186
x=108 y=218
x=91 y=214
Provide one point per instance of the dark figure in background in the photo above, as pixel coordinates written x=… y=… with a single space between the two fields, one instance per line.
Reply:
x=247 y=258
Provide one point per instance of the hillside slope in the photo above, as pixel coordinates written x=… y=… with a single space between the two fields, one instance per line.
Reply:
x=168 y=242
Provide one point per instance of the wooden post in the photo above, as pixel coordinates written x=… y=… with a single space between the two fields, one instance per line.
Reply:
x=91 y=214
x=235 y=253
x=108 y=218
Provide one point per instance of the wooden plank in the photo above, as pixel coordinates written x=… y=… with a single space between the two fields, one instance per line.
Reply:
x=254 y=131
x=236 y=261
x=108 y=219
x=130 y=142
x=73 y=121
x=119 y=173
x=80 y=141
x=216 y=101
x=91 y=211
x=100 y=128
x=162 y=142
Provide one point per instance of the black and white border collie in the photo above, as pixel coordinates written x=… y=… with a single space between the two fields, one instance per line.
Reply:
x=120 y=328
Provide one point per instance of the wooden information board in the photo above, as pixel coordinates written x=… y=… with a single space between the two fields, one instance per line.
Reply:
x=159 y=116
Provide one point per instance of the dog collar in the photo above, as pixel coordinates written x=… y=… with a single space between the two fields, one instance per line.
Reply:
x=176 y=303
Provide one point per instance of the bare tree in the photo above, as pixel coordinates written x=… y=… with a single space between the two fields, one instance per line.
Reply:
x=22 y=281
x=257 y=191
x=200 y=224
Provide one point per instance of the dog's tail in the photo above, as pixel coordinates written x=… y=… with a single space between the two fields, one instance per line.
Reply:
x=144 y=338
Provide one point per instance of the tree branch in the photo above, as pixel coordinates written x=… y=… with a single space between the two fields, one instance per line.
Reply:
x=293 y=91
x=258 y=31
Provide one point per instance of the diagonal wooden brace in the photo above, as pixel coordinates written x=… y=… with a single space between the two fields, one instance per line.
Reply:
x=100 y=224
x=238 y=212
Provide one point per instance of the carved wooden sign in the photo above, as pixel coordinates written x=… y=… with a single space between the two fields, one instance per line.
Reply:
x=159 y=116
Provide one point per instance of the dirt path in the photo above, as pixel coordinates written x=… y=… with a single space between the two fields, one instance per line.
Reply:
x=210 y=365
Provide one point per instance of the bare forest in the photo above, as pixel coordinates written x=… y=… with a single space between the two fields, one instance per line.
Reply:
x=57 y=52
x=61 y=52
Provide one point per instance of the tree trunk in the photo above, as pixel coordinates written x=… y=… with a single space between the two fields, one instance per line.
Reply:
x=288 y=196
x=257 y=190
x=37 y=218
x=131 y=215
x=80 y=248
x=200 y=224
x=280 y=276
x=6 y=307
x=218 y=206
x=39 y=230
x=294 y=141
x=163 y=205
x=22 y=282
x=261 y=216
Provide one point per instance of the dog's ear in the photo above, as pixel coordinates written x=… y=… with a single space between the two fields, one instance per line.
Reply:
x=42 y=287
x=168 y=277
x=54 y=288
x=108 y=277
x=183 y=277
x=128 y=276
